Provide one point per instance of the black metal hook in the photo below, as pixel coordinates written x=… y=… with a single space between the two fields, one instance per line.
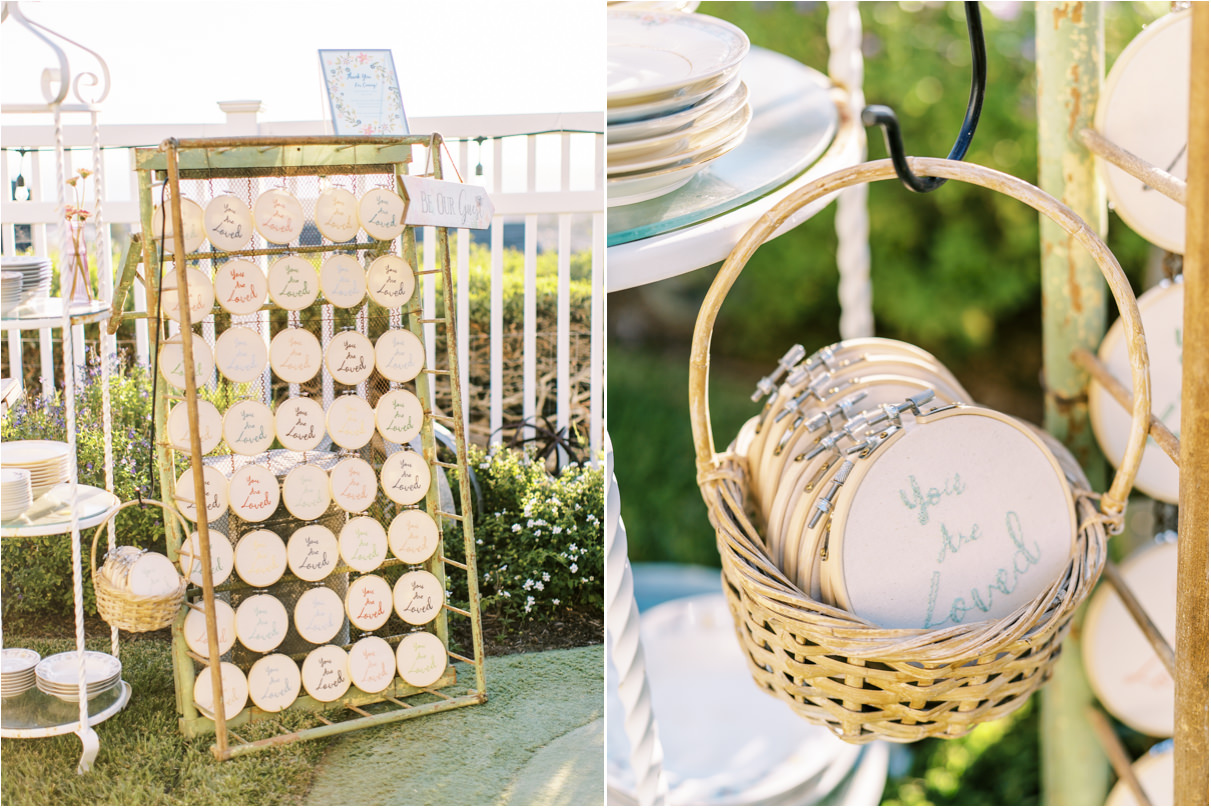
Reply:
x=883 y=116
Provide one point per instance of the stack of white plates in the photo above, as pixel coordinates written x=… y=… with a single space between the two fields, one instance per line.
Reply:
x=59 y=675
x=10 y=291
x=16 y=493
x=674 y=101
x=45 y=460
x=35 y=276
x=17 y=671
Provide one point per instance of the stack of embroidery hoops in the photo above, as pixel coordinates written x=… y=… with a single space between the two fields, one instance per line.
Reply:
x=883 y=491
x=674 y=100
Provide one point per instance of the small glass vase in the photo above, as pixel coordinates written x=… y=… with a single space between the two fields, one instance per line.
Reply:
x=75 y=276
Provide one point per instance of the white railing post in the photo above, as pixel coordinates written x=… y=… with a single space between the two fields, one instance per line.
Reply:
x=242 y=117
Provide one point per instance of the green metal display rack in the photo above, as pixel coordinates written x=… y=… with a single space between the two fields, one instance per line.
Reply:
x=200 y=170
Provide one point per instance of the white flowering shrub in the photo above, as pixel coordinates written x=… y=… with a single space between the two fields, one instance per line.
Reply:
x=539 y=539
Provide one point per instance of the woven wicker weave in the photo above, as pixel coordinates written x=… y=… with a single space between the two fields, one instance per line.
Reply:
x=135 y=613
x=863 y=681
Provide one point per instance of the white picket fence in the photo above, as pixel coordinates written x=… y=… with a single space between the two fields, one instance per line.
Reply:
x=538 y=168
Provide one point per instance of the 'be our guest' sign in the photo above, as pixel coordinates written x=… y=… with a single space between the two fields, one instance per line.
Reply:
x=439 y=203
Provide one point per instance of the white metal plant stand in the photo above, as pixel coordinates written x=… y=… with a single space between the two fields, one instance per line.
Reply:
x=70 y=507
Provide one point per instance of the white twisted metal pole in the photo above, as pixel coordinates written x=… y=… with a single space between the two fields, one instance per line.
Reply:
x=845 y=66
x=622 y=621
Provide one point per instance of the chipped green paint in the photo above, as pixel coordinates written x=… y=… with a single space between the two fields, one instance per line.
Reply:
x=1069 y=44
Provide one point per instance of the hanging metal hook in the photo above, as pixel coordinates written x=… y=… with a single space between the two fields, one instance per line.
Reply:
x=883 y=116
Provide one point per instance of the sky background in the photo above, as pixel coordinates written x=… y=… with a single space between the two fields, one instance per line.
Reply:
x=173 y=60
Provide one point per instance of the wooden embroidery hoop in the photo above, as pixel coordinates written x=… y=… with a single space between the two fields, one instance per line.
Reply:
x=862 y=681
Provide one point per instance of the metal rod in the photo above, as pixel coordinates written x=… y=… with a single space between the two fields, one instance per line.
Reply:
x=1190 y=709
x=1157 y=640
x=1156 y=178
x=454 y=563
x=1069 y=69
x=298 y=140
x=331 y=728
x=1156 y=429
x=462 y=658
x=1115 y=753
x=195 y=452
x=457 y=610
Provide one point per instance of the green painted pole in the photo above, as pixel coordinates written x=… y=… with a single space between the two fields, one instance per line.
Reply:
x=1070 y=61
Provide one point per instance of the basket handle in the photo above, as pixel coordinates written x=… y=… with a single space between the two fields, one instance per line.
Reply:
x=1115 y=499
x=92 y=554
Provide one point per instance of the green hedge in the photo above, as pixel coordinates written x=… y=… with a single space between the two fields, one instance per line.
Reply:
x=37 y=571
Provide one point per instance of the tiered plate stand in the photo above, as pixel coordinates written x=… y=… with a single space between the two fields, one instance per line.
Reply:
x=70 y=507
x=202 y=170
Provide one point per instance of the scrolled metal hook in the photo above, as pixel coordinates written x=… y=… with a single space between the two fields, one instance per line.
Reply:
x=884 y=117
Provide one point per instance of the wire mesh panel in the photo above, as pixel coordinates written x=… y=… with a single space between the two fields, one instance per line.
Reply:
x=328 y=504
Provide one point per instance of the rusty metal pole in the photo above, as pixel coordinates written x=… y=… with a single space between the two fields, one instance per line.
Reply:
x=1070 y=48
x=1190 y=725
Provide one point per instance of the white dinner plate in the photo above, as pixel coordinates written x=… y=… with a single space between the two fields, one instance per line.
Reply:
x=621 y=133
x=313 y=552
x=650 y=55
x=684 y=149
x=678 y=138
x=62 y=671
x=278 y=216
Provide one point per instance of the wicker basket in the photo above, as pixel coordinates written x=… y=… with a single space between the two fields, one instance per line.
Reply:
x=834 y=668
x=135 y=613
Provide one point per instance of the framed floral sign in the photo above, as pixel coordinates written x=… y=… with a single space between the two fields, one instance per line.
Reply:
x=363 y=92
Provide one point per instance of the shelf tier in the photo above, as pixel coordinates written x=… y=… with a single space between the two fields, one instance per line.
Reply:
x=50 y=514
x=48 y=313
x=34 y=714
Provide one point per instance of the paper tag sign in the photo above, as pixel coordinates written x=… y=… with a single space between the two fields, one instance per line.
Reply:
x=446 y=204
